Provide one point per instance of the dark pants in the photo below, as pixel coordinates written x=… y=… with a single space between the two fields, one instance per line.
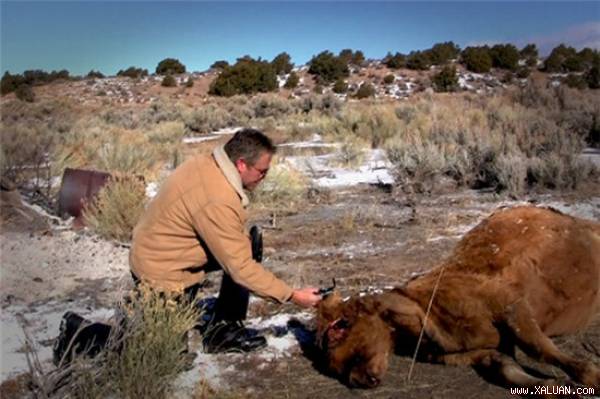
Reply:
x=232 y=303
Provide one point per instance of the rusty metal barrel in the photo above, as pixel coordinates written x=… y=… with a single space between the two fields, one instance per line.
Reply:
x=78 y=187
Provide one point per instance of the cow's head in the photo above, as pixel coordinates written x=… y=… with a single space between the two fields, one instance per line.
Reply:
x=355 y=340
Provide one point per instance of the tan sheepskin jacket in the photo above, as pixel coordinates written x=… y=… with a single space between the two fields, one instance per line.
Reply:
x=202 y=198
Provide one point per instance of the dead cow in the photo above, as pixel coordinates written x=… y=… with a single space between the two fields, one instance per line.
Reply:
x=521 y=276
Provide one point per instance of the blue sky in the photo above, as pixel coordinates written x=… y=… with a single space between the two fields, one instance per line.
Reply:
x=108 y=36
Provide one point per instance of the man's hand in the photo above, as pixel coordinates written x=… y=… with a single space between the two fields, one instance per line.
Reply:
x=306 y=297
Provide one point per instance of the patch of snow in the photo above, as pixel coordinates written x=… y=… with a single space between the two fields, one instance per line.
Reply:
x=278 y=345
x=194 y=140
x=42 y=325
x=151 y=189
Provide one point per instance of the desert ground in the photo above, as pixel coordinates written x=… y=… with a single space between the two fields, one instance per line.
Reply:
x=354 y=229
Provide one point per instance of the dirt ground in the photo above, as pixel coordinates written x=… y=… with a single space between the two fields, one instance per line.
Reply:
x=361 y=236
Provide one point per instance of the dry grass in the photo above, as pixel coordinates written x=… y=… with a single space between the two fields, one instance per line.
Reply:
x=491 y=143
x=117 y=209
x=466 y=137
x=143 y=357
x=283 y=188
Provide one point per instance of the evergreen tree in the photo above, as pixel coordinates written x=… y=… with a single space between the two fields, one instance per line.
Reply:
x=441 y=53
x=292 y=81
x=95 y=74
x=530 y=54
x=247 y=76
x=477 y=59
x=328 y=67
x=395 y=61
x=446 y=80
x=556 y=60
x=505 y=56
x=418 y=60
x=133 y=72
x=170 y=66
x=282 y=64
x=219 y=65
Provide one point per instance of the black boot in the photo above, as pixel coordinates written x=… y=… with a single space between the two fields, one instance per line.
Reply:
x=79 y=336
x=231 y=336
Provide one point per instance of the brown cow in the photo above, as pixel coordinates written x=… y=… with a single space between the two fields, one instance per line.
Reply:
x=519 y=277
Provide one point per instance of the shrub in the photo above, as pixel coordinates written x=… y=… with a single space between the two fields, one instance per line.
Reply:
x=247 y=76
x=283 y=188
x=556 y=171
x=269 y=105
x=417 y=164
x=523 y=72
x=556 y=60
x=530 y=54
x=168 y=81
x=124 y=156
x=219 y=65
x=25 y=93
x=373 y=124
x=505 y=56
x=365 y=90
x=117 y=208
x=160 y=111
x=511 y=172
x=95 y=75
x=350 y=154
x=352 y=57
x=292 y=81
x=23 y=151
x=446 y=80
x=389 y=79
x=477 y=59
x=9 y=83
x=340 y=86
x=328 y=67
x=170 y=66
x=573 y=64
x=207 y=118
x=145 y=354
x=327 y=103
x=418 y=60
x=592 y=77
x=441 y=53
x=133 y=72
x=395 y=61
x=282 y=64
x=167 y=133
x=575 y=81
x=189 y=82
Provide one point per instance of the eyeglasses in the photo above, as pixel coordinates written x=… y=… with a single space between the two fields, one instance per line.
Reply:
x=261 y=172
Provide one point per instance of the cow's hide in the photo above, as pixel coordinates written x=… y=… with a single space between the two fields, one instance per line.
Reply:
x=519 y=277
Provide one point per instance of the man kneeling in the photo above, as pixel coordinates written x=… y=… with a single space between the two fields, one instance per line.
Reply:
x=196 y=224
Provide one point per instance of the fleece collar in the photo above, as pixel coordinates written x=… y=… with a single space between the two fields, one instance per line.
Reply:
x=230 y=172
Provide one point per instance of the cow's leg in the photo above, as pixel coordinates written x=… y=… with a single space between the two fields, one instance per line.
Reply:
x=504 y=369
x=536 y=344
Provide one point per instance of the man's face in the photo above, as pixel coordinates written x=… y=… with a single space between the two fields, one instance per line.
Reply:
x=253 y=174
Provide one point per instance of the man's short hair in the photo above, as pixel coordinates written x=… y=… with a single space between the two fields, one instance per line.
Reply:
x=248 y=144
